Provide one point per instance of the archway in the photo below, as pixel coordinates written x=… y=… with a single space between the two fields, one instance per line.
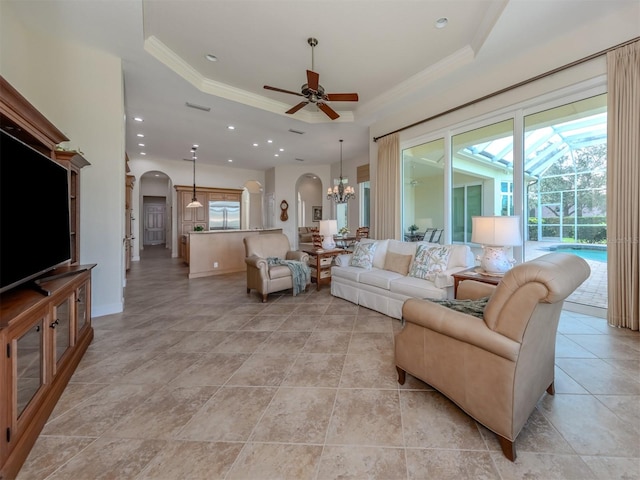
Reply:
x=308 y=203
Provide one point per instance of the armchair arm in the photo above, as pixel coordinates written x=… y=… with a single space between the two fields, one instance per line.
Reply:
x=256 y=262
x=297 y=255
x=462 y=327
x=472 y=290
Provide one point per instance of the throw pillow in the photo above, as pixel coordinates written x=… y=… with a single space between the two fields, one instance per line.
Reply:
x=430 y=261
x=363 y=255
x=396 y=262
x=470 y=307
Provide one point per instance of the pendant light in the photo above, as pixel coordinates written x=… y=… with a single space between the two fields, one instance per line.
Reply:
x=341 y=193
x=194 y=201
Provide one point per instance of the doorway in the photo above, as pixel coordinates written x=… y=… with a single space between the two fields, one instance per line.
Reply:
x=154 y=221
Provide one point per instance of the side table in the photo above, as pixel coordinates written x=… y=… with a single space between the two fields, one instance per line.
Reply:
x=321 y=261
x=472 y=274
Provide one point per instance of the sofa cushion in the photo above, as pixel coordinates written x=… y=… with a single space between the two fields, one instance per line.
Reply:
x=460 y=256
x=429 y=261
x=348 y=272
x=396 y=262
x=381 y=250
x=363 y=255
x=378 y=278
x=416 y=287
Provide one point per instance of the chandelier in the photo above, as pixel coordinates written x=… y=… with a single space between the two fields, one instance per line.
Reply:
x=341 y=193
x=194 y=201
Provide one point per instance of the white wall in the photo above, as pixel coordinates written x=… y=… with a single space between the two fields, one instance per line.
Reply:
x=80 y=91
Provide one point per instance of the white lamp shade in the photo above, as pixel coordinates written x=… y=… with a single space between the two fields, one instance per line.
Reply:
x=328 y=228
x=496 y=231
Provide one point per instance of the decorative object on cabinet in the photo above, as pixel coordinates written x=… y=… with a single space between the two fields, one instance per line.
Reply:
x=194 y=200
x=341 y=193
x=284 y=206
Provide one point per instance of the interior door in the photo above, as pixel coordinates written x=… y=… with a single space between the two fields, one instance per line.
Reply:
x=154 y=233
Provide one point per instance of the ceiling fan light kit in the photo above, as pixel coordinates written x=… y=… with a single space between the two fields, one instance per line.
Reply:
x=315 y=93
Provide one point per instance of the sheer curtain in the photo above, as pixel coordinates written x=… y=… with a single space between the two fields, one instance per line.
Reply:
x=623 y=185
x=387 y=222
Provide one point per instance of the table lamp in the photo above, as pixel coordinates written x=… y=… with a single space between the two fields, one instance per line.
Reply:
x=495 y=234
x=328 y=228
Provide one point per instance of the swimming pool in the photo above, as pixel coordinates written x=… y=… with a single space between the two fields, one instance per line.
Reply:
x=597 y=253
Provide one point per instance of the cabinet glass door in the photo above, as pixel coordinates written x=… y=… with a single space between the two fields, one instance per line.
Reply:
x=81 y=307
x=62 y=327
x=29 y=365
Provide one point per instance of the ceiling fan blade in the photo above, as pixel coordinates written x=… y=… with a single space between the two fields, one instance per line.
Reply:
x=313 y=80
x=275 y=89
x=331 y=113
x=342 y=97
x=297 y=107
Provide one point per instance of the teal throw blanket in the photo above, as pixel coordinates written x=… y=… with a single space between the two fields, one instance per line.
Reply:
x=300 y=272
x=470 y=307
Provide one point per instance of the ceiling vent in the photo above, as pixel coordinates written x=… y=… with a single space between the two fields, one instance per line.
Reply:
x=299 y=159
x=296 y=131
x=198 y=107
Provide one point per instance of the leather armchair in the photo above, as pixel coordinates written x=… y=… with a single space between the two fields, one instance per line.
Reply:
x=494 y=368
x=267 y=278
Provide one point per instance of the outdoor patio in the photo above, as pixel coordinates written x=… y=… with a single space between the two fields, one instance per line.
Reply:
x=593 y=292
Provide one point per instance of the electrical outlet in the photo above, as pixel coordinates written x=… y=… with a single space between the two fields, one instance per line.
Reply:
x=215 y=264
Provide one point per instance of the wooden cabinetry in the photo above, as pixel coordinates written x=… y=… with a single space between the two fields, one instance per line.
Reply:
x=190 y=218
x=73 y=161
x=44 y=338
x=128 y=221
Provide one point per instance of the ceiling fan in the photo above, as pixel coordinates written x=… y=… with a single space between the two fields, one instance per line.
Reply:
x=315 y=93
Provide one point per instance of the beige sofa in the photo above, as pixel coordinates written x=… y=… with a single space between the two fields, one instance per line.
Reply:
x=384 y=290
x=497 y=367
x=267 y=278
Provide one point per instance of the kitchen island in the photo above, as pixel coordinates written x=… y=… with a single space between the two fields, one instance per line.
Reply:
x=215 y=252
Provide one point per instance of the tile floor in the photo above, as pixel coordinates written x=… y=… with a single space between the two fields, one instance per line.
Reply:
x=197 y=380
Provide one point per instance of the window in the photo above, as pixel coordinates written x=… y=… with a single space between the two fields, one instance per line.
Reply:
x=423 y=192
x=365 y=203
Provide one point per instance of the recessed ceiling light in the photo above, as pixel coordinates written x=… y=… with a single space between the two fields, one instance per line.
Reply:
x=138 y=119
x=141 y=144
x=282 y=149
x=269 y=141
x=211 y=57
x=276 y=155
x=230 y=161
x=142 y=153
x=140 y=135
x=255 y=144
x=442 y=22
x=231 y=127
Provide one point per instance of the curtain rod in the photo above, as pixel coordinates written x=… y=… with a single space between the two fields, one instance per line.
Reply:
x=511 y=87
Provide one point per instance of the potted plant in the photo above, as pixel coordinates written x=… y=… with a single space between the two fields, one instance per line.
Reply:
x=344 y=231
x=413 y=229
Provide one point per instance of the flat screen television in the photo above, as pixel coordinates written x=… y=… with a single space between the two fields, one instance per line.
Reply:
x=34 y=213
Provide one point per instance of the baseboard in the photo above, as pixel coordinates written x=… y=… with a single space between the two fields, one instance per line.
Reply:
x=585 y=309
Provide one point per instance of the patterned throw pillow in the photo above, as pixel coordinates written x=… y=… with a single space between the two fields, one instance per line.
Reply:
x=363 y=255
x=430 y=261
